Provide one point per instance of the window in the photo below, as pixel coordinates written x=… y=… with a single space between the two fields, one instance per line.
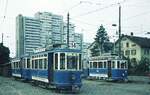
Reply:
x=105 y=65
x=125 y=64
x=127 y=52
x=40 y=63
x=146 y=51
x=16 y=65
x=133 y=52
x=122 y=65
x=72 y=61
x=91 y=65
x=36 y=64
x=134 y=61
x=62 y=61
x=133 y=45
x=28 y=63
x=94 y=64
x=127 y=44
x=100 y=65
x=80 y=63
x=118 y=64
x=45 y=64
x=113 y=64
x=56 y=61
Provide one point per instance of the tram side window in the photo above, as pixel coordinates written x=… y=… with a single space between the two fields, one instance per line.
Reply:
x=45 y=64
x=94 y=64
x=56 y=61
x=100 y=65
x=32 y=64
x=91 y=65
x=62 y=61
x=13 y=65
x=16 y=65
x=80 y=63
x=105 y=65
x=36 y=64
x=118 y=64
x=125 y=65
x=40 y=63
x=28 y=63
x=113 y=64
x=20 y=65
x=122 y=65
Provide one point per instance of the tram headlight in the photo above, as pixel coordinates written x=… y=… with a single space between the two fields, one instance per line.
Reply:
x=123 y=74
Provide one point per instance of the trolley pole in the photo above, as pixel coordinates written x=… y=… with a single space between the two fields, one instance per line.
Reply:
x=68 y=30
x=119 y=30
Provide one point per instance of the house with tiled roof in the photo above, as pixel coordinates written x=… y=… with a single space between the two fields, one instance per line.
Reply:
x=133 y=47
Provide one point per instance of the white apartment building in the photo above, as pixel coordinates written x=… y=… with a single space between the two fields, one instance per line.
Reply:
x=27 y=35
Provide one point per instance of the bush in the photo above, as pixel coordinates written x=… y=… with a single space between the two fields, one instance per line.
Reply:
x=143 y=67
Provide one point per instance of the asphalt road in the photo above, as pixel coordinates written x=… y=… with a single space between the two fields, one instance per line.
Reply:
x=138 y=85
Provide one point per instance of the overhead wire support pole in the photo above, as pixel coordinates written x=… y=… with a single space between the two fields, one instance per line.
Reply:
x=119 y=30
x=68 y=30
x=2 y=38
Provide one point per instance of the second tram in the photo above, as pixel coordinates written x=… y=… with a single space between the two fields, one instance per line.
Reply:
x=108 y=67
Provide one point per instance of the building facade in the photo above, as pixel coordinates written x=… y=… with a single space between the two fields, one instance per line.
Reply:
x=86 y=55
x=27 y=35
x=44 y=30
x=51 y=28
x=135 y=48
x=75 y=39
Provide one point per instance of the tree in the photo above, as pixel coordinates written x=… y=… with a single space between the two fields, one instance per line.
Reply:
x=95 y=51
x=143 y=67
x=4 y=54
x=101 y=42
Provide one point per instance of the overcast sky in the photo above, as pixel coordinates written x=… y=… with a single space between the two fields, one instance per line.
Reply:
x=87 y=15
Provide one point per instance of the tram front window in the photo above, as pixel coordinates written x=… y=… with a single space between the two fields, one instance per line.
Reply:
x=56 y=61
x=72 y=60
x=62 y=61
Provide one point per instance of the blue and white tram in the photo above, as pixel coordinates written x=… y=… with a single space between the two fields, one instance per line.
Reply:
x=110 y=67
x=61 y=68
x=16 y=67
x=25 y=68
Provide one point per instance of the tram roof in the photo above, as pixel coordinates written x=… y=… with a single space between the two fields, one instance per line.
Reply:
x=106 y=58
x=49 y=51
x=58 y=50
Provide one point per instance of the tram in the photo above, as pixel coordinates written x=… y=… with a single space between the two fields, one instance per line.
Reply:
x=59 y=68
x=16 y=68
x=108 y=67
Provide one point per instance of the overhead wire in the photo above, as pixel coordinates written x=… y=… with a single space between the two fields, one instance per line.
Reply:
x=99 y=9
x=5 y=11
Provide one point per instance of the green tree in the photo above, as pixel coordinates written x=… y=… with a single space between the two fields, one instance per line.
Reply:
x=95 y=51
x=4 y=54
x=101 y=42
x=143 y=67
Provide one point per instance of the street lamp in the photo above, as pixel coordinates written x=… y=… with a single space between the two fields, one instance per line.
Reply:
x=114 y=25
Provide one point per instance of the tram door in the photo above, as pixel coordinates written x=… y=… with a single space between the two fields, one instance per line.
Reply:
x=109 y=68
x=50 y=67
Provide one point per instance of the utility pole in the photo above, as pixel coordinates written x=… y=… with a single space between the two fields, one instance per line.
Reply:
x=2 y=38
x=119 y=30
x=68 y=30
